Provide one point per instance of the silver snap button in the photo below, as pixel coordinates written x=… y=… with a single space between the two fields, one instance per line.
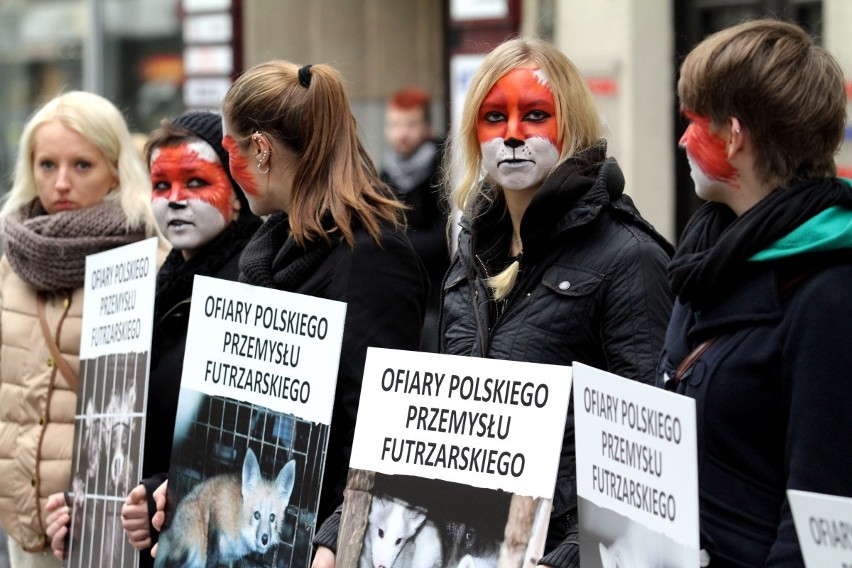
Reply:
x=564 y=285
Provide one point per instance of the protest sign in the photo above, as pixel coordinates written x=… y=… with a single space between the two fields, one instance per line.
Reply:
x=824 y=526
x=118 y=308
x=256 y=399
x=450 y=455
x=637 y=473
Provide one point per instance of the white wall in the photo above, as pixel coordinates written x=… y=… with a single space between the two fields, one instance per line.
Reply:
x=631 y=43
x=837 y=15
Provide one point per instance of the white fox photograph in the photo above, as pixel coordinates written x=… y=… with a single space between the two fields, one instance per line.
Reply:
x=243 y=486
x=414 y=522
x=610 y=540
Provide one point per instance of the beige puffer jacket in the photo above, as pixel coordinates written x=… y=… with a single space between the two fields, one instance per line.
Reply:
x=37 y=405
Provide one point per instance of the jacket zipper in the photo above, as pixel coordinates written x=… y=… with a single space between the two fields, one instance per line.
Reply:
x=484 y=334
x=173 y=308
x=516 y=289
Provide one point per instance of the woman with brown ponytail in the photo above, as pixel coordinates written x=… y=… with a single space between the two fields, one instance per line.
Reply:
x=554 y=263
x=334 y=230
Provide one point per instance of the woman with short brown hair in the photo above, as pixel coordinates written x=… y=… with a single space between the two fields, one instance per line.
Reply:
x=760 y=335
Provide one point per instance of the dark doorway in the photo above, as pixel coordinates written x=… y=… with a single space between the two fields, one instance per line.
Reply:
x=696 y=19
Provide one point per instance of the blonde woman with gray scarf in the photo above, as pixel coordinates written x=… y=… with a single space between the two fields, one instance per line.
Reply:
x=79 y=188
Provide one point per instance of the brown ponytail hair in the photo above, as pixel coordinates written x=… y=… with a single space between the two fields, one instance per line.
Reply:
x=307 y=110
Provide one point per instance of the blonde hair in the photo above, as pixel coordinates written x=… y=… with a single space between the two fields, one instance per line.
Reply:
x=334 y=174
x=788 y=93
x=99 y=122
x=578 y=122
x=577 y=118
x=503 y=282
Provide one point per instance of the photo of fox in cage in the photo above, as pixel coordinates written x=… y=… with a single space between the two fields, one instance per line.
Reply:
x=243 y=486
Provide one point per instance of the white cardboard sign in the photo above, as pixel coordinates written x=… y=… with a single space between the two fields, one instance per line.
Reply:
x=119 y=300
x=109 y=431
x=824 y=526
x=481 y=422
x=636 y=462
x=273 y=348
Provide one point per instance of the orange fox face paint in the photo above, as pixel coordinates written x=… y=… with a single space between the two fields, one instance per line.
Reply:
x=706 y=150
x=181 y=173
x=240 y=168
x=191 y=194
x=517 y=130
x=519 y=105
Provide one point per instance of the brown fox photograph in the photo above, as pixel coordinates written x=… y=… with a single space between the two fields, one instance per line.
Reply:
x=242 y=489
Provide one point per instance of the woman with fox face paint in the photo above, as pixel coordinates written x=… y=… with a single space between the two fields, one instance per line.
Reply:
x=334 y=231
x=554 y=263
x=762 y=276
x=203 y=213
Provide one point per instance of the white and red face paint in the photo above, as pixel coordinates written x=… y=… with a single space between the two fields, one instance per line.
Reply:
x=192 y=197
x=517 y=130
x=707 y=155
x=240 y=168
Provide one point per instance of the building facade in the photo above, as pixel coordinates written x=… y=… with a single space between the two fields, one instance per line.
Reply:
x=154 y=58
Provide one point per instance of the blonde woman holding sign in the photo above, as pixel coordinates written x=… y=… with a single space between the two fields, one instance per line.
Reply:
x=79 y=189
x=554 y=262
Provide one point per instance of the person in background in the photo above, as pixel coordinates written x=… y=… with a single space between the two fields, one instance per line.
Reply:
x=205 y=216
x=79 y=189
x=554 y=263
x=759 y=335
x=412 y=168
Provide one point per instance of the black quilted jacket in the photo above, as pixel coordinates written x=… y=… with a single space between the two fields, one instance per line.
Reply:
x=592 y=288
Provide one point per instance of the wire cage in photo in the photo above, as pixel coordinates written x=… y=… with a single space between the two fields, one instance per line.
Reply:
x=216 y=442
x=107 y=459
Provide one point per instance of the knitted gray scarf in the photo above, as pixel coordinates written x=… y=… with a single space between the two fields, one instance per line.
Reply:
x=48 y=252
x=407 y=172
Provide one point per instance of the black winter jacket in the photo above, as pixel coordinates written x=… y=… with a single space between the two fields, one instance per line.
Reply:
x=218 y=259
x=426 y=219
x=426 y=216
x=384 y=287
x=768 y=394
x=772 y=391
x=592 y=288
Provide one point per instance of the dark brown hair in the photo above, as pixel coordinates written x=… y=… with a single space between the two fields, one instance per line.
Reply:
x=167 y=134
x=786 y=91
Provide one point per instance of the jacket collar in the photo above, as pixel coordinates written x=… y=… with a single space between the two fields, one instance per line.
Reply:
x=828 y=230
x=756 y=299
x=573 y=195
x=570 y=198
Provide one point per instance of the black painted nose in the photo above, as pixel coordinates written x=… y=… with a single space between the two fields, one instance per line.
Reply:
x=514 y=143
x=177 y=204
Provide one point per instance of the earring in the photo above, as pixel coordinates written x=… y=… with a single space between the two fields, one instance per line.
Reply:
x=260 y=163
